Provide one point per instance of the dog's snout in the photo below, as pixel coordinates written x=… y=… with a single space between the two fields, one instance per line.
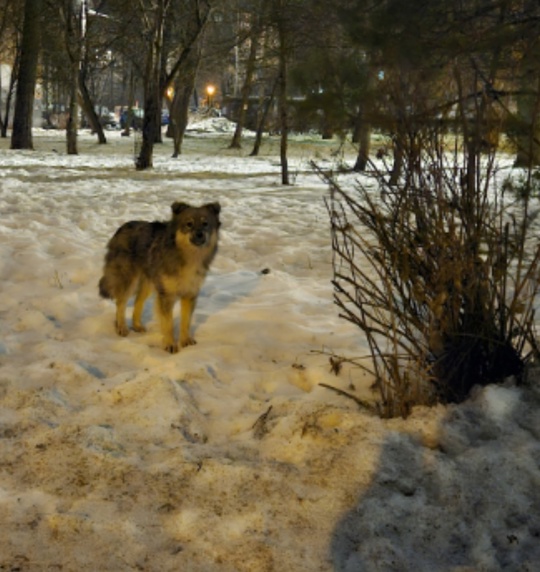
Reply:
x=198 y=237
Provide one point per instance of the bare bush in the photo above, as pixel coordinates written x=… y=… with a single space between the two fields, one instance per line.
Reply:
x=440 y=272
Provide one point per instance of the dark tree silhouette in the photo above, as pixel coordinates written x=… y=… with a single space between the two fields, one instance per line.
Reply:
x=21 y=136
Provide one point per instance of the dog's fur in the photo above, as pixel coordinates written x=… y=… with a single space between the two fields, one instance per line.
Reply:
x=171 y=258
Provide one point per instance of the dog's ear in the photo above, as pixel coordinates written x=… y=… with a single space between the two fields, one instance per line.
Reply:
x=214 y=207
x=177 y=207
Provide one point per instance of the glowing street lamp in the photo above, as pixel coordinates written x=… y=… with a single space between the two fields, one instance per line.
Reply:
x=210 y=92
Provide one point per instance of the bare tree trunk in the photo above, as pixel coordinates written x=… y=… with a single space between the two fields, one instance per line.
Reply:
x=89 y=110
x=131 y=100
x=282 y=99
x=74 y=19
x=21 y=136
x=246 y=88
x=72 y=122
x=152 y=89
x=182 y=96
x=528 y=128
x=150 y=125
x=364 y=141
x=399 y=153
x=180 y=112
x=157 y=81
x=262 y=120
x=4 y=19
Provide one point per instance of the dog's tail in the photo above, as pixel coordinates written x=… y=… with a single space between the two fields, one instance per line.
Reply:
x=104 y=290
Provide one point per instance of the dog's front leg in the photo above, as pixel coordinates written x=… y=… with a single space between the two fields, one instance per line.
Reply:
x=121 y=326
x=188 y=306
x=165 y=306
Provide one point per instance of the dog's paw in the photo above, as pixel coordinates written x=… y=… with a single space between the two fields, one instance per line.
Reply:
x=139 y=328
x=122 y=330
x=171 y=348
x=188 y=342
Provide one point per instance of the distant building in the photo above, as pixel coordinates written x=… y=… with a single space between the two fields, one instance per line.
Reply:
x=5 y=79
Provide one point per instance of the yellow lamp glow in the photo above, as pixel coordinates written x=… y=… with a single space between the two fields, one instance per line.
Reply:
x=210 y=91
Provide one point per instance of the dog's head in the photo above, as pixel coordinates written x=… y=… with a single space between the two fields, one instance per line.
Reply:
x=198 y=224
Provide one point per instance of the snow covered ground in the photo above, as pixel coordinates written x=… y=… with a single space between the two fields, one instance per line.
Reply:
x=228 y=456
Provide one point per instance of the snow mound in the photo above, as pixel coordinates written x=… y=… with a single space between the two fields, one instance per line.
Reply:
x=211 y=125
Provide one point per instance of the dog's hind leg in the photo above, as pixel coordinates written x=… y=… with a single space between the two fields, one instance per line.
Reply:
x=143 y=291
x=164 y=305
x=188 y=306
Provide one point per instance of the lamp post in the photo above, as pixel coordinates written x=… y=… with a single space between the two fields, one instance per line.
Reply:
x=210 y=92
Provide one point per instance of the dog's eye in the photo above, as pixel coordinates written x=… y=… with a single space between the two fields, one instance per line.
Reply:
x=189 y=225
x=204 y=224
